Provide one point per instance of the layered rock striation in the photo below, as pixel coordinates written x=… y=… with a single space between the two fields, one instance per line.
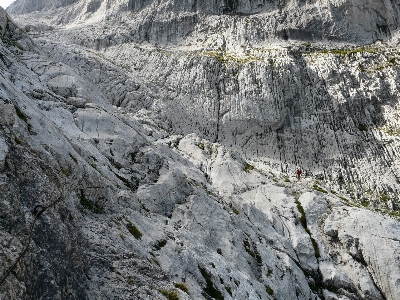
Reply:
x=245 y=21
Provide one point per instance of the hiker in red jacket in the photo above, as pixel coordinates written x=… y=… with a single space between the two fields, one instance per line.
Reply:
x=298 y=174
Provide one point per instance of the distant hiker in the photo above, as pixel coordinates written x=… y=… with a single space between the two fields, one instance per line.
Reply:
x=298 y=174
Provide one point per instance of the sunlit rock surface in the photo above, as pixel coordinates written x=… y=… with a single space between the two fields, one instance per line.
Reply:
x=164 y=139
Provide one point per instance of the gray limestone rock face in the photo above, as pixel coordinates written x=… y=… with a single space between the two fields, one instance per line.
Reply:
x=163 y=165
x=24 y=7
x=7 y=117
x=7 y=113
x=63 y=85
x=254 y=21
x=3 y=153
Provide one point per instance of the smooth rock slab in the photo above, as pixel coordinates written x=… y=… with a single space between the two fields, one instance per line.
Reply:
x=63 y=85
x=374 y=241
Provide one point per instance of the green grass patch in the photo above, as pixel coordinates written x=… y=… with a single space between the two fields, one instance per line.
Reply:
x=391 y=62
x=73 y=158
x=134 y=231
x=362 y=127
x=319 y=189
x=364 y=202
x=160 y=244
x=164 y=52
x=254 y=253
x=210 y=290
x=380 y=67
x=303 y=221
x=125 y=181
x=133 y=156
x=384 y=197
x=206 y=189
x=229 y=290
x=169 y=294
x=246 y=245
x=344 y=52
x=182 y=287
x=269 y=290
x=247 y=168
x=130 y=280
x=21 y=115
x=315 y=246
x=153 y=260
x=89 y=204
x=394 y=214
x=145 y=208
x=116 y=165
x=258 y=258
x=225 y=57
x=390 y=130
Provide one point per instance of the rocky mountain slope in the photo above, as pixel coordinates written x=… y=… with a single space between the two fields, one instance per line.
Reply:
x=153 y=146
